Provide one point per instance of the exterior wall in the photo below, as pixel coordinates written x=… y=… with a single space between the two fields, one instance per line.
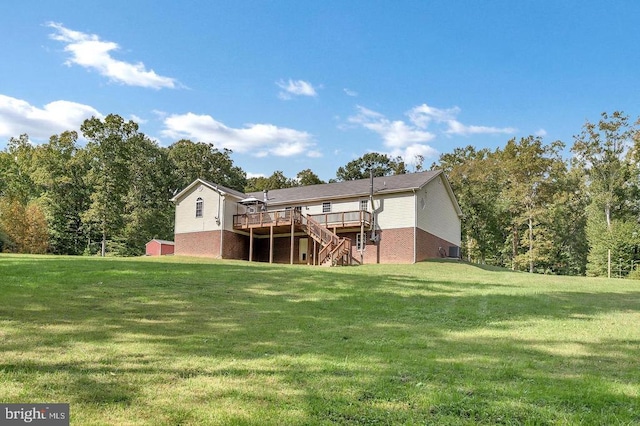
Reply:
x=235 y=246
x=186 y=220
x=166 y=249
x=395 y=211
x=207 y=244
x=394 y=246
x=204 y=243
x=156 y=248
x=281 y=249
x=428 y=246
x=436 y=213
x=349 y=204
x=153 y=248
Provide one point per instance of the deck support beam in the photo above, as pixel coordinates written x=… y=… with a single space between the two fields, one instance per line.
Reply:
x=250 y=244
x=271 y=244
x=292 y=238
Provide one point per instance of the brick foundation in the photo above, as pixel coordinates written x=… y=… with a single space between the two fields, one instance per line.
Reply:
x=428 y=246
x=393 y=246
x=207 y=244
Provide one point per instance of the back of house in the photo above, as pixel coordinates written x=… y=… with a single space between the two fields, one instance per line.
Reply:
x=392 y=219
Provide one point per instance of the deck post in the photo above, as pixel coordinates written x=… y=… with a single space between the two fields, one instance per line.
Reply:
x=250 y=244
x=292 y=240
x=271 y=244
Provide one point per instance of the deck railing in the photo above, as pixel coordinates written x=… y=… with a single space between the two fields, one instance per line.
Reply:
x=266 y=218
x=283 y=217
x=343 y=219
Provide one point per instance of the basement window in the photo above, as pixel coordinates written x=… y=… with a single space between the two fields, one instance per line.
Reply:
x=359 y=245
x=199 y=207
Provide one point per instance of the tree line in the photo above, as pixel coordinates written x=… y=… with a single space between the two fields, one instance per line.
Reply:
x=525 y=206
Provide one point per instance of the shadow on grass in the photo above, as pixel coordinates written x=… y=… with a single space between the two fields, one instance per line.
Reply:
x=350 y=346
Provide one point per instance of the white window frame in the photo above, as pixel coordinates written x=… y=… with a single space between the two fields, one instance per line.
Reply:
x=199 y=207
x=326 y=207
x=359 y=242
x=364 y=205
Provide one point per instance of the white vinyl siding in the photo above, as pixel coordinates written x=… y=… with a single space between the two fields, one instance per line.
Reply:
x=439 y=217
x=395 y=211
x=186 y=220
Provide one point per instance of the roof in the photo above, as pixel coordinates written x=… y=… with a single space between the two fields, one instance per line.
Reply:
x=351 y=188
x=336 y=190
x=162 y=242
x=219 y=188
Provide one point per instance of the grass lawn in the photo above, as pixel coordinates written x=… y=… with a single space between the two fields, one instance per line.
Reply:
x=168 y=341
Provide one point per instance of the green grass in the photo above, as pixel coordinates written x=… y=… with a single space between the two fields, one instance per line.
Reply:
x=184 y=341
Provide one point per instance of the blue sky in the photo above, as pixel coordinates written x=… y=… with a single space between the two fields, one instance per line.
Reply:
x=291 y=85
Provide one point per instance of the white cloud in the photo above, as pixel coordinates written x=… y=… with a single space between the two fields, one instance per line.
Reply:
x=395 y=134
x=409 y=139
x=423 y=115
x=18 y=116
x=457 y=128
x=138 y=120
x=295 y=88
x=88 y=51
x=541 y=132
x=257 y=139
x=350 y=92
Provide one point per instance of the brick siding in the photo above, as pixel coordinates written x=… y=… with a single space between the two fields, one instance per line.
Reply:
x=431 y=247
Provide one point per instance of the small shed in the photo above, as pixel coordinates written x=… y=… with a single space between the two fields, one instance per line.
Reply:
x=159 y=247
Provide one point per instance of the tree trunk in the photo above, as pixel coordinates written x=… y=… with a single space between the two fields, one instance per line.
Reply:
x=514 y=247
x=530 y=244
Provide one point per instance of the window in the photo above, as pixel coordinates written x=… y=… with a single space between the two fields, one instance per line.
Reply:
x=326 y=207
x=199 y=207
x=364 y=205
x=359 y=242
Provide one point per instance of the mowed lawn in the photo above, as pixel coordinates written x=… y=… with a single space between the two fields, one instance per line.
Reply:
x=170 y=341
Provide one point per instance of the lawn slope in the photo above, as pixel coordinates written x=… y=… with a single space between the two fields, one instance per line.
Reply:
x=185 y=341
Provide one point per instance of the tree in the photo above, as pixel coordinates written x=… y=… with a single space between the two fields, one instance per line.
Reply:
x=25 y=227
x=108 y=148
x=607 y=152
x=476 y=178
x=381 y=165
x=307 y=177
x=193 y=160
x=531 y=171
x=16 y=170
x=60 y=170
x=148 y=211
x=276 y=181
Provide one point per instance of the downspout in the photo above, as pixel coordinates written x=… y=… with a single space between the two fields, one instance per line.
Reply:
x=220 y=221
x=415 y=226
x=373 y=211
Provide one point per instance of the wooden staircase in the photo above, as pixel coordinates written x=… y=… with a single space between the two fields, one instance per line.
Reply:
x=334 y=249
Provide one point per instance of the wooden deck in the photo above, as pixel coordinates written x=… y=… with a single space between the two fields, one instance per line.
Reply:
x=261 y=222
x=322 y=228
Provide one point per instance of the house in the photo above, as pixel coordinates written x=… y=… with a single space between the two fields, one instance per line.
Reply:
x=392 y=219
x=159 y=247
